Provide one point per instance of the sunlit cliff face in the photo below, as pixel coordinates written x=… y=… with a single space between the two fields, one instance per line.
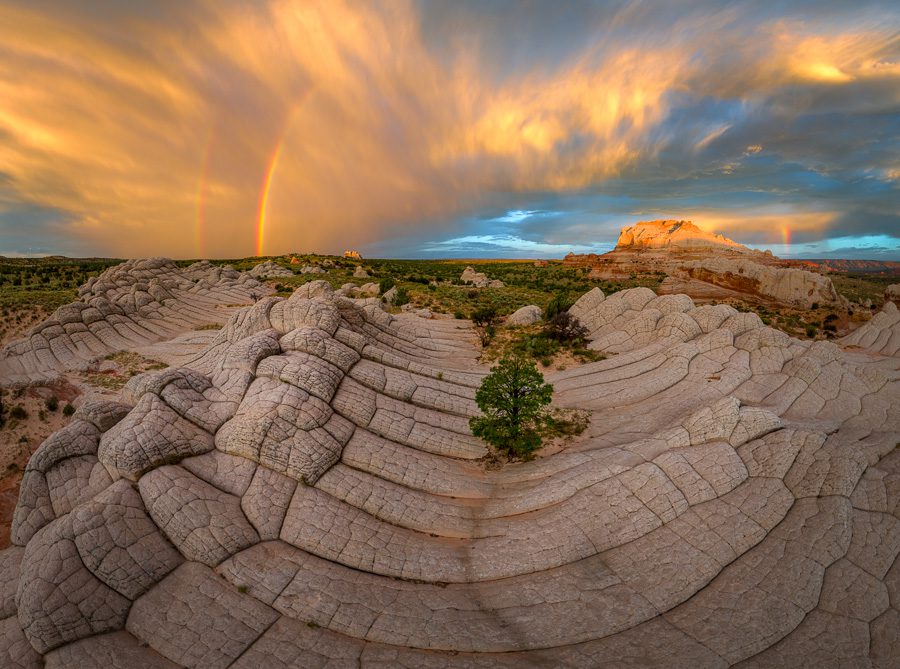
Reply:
x=222 y=129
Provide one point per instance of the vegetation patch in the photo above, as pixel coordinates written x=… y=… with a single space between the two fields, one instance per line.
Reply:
x=514 y=400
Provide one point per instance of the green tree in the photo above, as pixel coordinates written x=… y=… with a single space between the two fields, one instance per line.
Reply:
x=513 y=400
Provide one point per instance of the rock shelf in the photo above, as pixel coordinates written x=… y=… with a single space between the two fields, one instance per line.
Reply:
x=305 y=493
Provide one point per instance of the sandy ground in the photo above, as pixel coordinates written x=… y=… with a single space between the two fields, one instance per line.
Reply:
x=19 y=438
x=15 y=322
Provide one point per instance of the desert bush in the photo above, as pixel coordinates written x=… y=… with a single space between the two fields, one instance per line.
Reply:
x=68 y=410
x=402 y=297
x=386 y=284
x=18 y=412
x=484 y=319
x=484 y=316
x=559 y=303
x=565 y=327
x=52 y=403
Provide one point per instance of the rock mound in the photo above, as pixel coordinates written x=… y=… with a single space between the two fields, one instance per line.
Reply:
x=655 y=235
x=892 y=293
x=707 y=266
x=311 y=269
x=881 y=334
x=306 y=493
x=526 y=315
x=790 y=286
x=132 y=304
x=269 y=268
x=479 y=279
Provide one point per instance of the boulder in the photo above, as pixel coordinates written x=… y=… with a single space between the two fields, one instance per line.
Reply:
x=892 y=293
x=525 y=316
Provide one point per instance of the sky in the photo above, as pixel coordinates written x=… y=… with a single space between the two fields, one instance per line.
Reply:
x=484 y=128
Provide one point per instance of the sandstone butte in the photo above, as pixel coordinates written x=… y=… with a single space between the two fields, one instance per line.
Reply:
x=302 y=490
x=706 y=265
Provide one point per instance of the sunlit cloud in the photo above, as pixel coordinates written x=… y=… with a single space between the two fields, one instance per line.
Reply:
x=228 y=129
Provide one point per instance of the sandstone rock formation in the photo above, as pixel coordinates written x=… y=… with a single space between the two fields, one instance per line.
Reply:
x=881 y=334
x=706 y=266
x=479 y=279
x=311 y=269
x=353 y=254
x=673 y=235
x=305 y=493
x=132 y=304
x=525 y=316
x=390 y=295
x=269 y=268
x=790 y=286
x=892 y=293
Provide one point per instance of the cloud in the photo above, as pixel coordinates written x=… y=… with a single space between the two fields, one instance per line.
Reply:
x=209 y=128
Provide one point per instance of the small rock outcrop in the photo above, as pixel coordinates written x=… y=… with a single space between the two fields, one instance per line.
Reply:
x=311 y=269
x=353 y=254
x=479 y=279
x=525 y=316
x=269 y=268
x=390 y=295
x=360 y=273
x=880 y=334
x=892 y=293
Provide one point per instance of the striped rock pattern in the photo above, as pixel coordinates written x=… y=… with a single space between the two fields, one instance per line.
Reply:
x=305 y=493
x=135 y=303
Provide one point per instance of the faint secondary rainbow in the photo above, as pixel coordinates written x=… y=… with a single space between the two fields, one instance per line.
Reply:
x=272 y=164
x=200 y=226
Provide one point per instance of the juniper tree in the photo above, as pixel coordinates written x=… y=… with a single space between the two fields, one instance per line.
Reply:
x=513 y=400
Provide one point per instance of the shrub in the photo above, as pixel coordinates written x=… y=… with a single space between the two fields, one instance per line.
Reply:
x=560 y=302
x=458 y=314
x=484 y=316
x=565 y=327
x=68 y=410
x=513 y=400
x=537 y=346
x=386 y=284
x=52 y=403
x=402 y=297
x=18 y=412
x=811 y=331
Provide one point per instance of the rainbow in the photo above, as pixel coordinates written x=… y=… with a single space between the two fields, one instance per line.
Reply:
x=264 y=194
x=786 y=235
x=202 y=186
x=272 y=164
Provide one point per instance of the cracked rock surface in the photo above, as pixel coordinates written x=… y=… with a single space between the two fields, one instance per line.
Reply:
x=305 y=492
x=133 y=304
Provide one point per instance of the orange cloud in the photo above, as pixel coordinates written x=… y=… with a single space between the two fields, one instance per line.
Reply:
x=161 y=136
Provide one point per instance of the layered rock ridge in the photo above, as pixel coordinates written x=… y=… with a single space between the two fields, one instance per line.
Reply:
x=136 y=303
x=306 y=493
